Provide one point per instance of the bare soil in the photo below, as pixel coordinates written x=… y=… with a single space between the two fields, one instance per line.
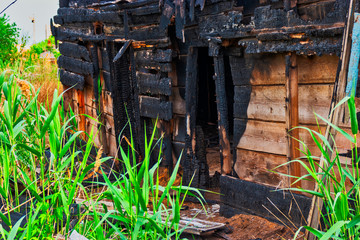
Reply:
x=242 y=226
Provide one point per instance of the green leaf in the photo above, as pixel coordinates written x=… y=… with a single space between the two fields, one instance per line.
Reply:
x=352 y=112
x=334 y=228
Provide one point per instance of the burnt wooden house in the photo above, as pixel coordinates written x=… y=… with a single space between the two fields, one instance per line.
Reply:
x=226 y=79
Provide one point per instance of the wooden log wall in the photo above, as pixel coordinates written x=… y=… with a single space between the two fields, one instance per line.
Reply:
x=254 y=35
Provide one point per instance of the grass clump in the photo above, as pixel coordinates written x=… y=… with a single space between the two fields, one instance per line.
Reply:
x=43 y=171
x=338 y=183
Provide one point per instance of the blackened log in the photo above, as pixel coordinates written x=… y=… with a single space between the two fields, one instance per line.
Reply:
x=75 y=65
x=216 y=25
x=180 y=19
x=167 y=13
x=107 y=80
x=222 y=106
x=64 y=34
x=147 y=33
x=58 y=20
x=163 y=67
x=77 y=15
x=147 y=10
x=153 y=107
x=191 y=105
x=71 y=79
x=74 y=50
x=152 y=56
x=253 y=198
x=122 y=51
x=153 y=84
x=105 y=60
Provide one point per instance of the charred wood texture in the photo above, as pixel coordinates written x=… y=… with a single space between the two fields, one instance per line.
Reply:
x=153 y=84
x=239 y=195
x=75 y=65
x=222 y=107
x=191 y=165
x=77 y=15
x=152 y=107
x=71 y=79
x=74 y=50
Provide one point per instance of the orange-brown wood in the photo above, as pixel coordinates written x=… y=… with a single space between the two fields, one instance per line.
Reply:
x=81 y=111
x=292 y=93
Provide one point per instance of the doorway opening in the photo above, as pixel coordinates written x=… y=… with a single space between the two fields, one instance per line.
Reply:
x=207 y=119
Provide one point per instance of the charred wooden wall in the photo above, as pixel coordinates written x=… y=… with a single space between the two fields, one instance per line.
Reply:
x=160 y=68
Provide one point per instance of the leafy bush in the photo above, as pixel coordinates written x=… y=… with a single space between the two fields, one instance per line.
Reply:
x=338 y=184
x=9 y=34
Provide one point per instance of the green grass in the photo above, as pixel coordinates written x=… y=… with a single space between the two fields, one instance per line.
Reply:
x=338 y=183
x=141 y=207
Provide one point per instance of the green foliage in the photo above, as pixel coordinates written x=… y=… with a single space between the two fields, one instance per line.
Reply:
x=142 y=208
x=9 y=34
x=338 y=184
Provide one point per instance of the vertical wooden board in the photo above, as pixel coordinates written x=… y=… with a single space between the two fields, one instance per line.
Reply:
x=256 y=167
x=108 y=103
x=178 y=99
x=178 y=128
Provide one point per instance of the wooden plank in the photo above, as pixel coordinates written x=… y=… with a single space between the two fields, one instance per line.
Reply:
x=81 y=109
x=155 y=108
x=270 y=69
x=255 y=167
x=157 y=55
x=74 y=50
x=292 y=115
x=268 y=102
x=178 y=100
x=107 y=98
x=270 y=137
x=153 y=84
x=70 y=79
x=75 y=65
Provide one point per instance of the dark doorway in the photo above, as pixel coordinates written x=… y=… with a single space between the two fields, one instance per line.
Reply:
x=207 y=119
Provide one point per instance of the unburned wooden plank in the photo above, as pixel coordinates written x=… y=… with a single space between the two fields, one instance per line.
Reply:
x=270 y=69
x=256 y=167
x=268 y=102
x=155 y=108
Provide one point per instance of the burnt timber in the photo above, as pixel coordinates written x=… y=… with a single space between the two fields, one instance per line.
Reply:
x=248 y=69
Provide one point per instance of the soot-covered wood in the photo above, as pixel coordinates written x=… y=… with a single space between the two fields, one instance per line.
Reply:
x=153 y=84
x=155 y=108
x=74 y=50
x=75 y=65
x=71 y=79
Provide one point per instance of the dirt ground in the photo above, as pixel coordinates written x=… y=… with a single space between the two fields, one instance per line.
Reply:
x=242 y=226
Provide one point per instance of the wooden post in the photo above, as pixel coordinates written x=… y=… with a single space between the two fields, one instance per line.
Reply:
x=191 y=104
x=222 y=108
x=81 y=108
x=292 y=115
x=100 y=110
